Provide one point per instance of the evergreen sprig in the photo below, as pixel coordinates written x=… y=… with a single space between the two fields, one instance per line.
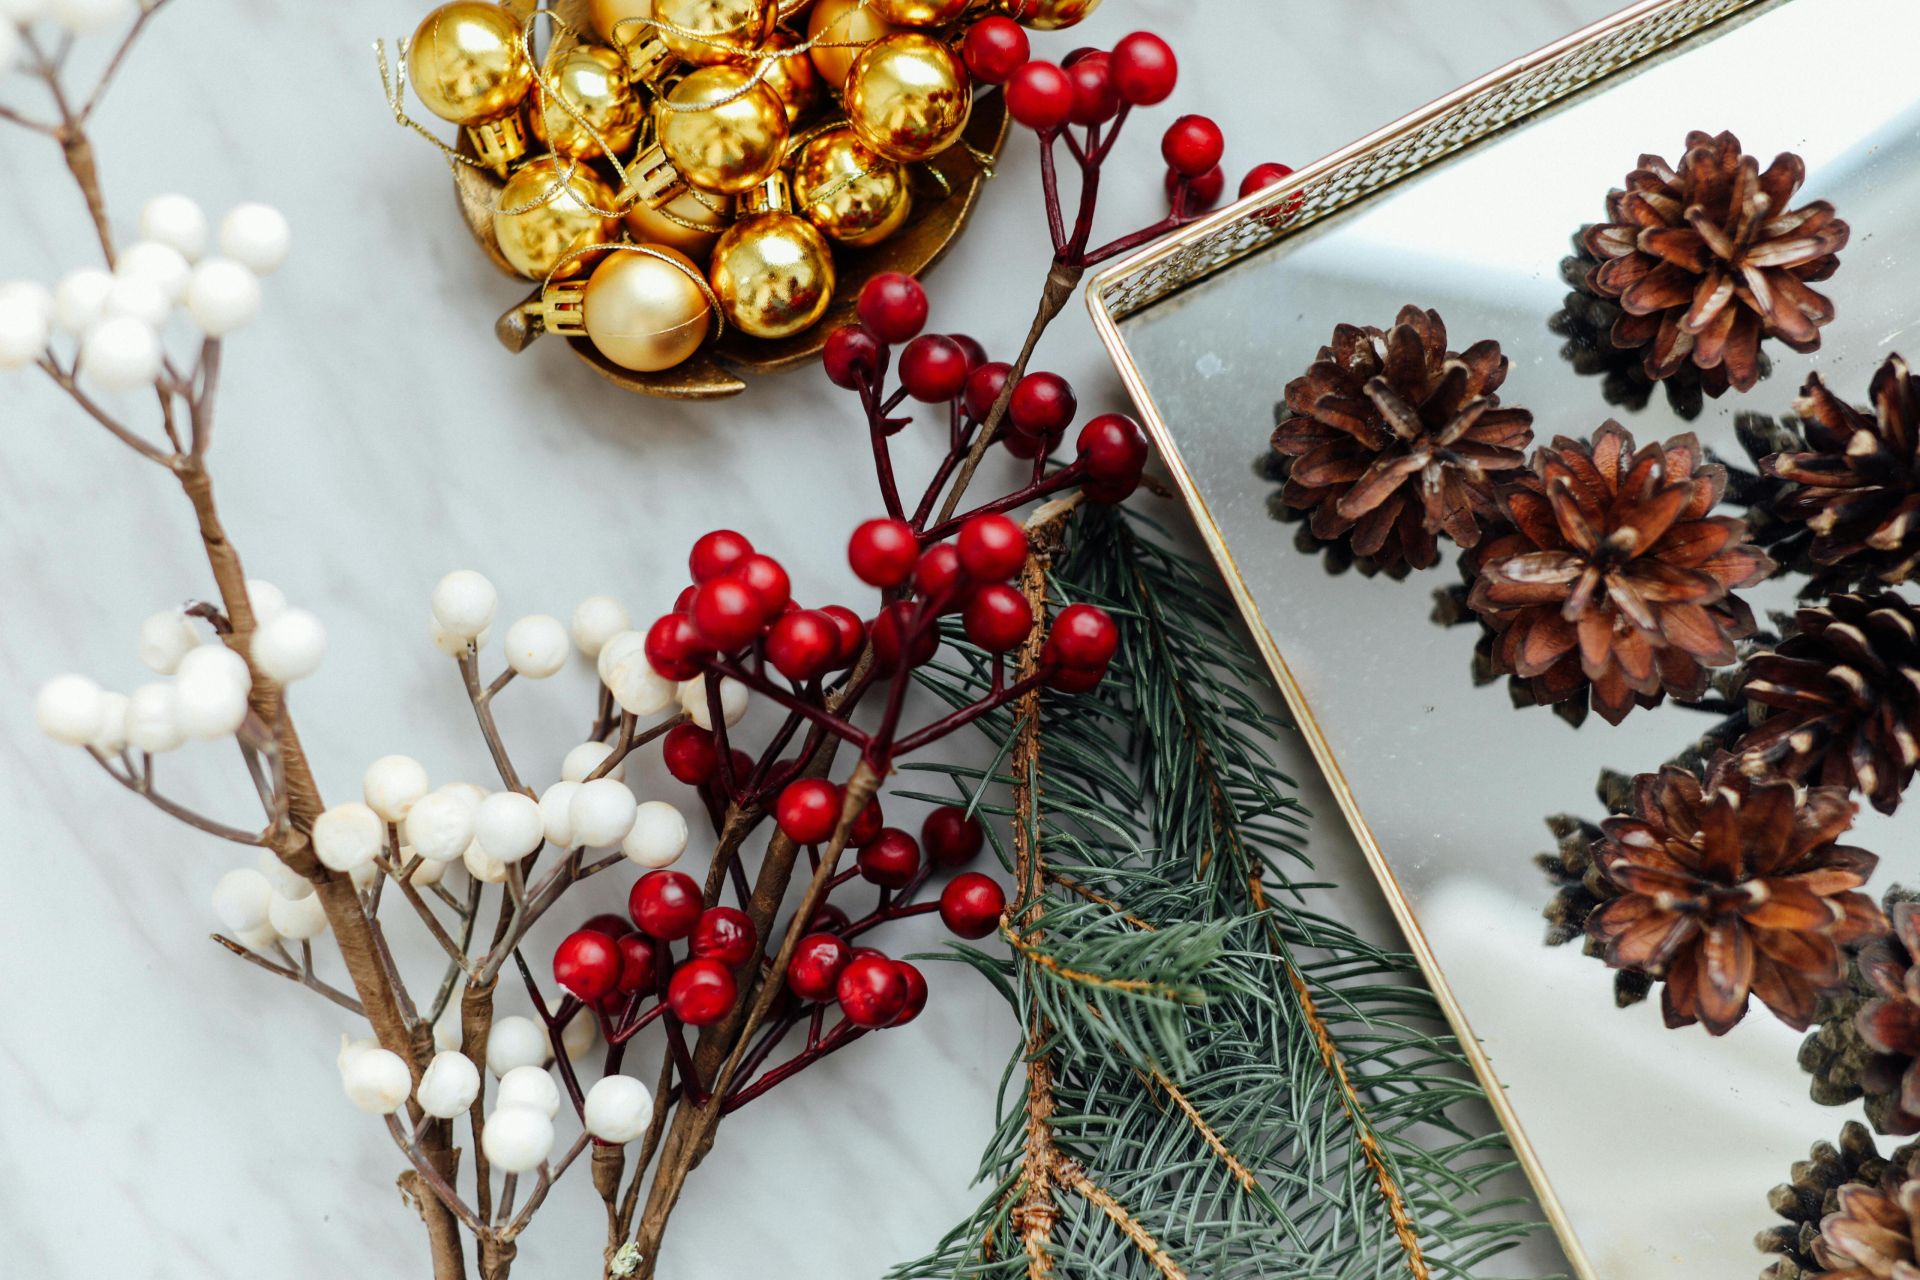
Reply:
x=1215 y=1079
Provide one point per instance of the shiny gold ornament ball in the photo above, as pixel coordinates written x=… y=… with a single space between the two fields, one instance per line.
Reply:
x=559 y=222
x=794 y=80
x=621 y=22
x=467 y=63
x=667 y=225
x=592 y=81
x=1050 y=15
x=646 y=314
x=773 y=274
x=920 y=13
x=855 y=196
x=908 y=97
x=718 y=30
x=731 y=145
x=840 y=28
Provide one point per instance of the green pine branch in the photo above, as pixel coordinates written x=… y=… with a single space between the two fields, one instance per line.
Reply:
x=1215 y=1078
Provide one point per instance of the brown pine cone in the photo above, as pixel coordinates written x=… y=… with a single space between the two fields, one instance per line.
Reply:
x=1853 y=1164
x=1890 y=1022
x=1872 y=1234
x=1706 y=259
x=1732 y=888
x=1616 y=576
x=1858 y=482
x=1842 y=698
x=1395 y=440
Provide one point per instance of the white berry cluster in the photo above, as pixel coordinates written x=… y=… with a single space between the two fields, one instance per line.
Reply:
x=266 y=903
x=119 y=320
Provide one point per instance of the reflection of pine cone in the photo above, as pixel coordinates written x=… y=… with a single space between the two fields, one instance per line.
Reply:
x=1889 y=1023
x=1336 y=556
x=1580 y=889
x=1853 y=1165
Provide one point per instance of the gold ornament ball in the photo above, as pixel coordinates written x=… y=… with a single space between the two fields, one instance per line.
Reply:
x=855 y=196
x=559 y=222
x=610 y=19
x=593 y=81
x=666 y=225
x=646 y=312
x=920 y=13
x=729 y=146
x=467 y=64
x=794 y=80
x=720 y=30
x=1050 y=15
x=908 y=97
x=773 y=274
x=841 y=28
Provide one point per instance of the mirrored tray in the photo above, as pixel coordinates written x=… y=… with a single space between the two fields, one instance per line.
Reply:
x=1652 y=1150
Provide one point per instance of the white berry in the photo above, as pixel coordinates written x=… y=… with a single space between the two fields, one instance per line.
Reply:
x=577 y=1036
x=464 y=603
x=616 y=649
x=111 y=738
x=618 y=1109
x=300 y=919
x=26 y=324
x=213 y=683
x=515 y=1042
x=596 y=620
x=585 y=758
x=440 y=825
x=693 y=700
x=483 y=866
x=257 y=236
x=161 y=265
x=377 y=1081
x=79 y=297
x=137 y=298
x=165 y=638
x=286 y=882
x=240 y=899
x=289 y=647
x=638 y=688
x=658 y=836
x=222 y=296
x=507 y=826
x=89 y=17
x=449 y=1084
x=537 y=646
x=517 y=1139
x=391 y=785
x=176 y=221
x=556 y=813
x=119 y=353
x=348 y=836
x=602 y=812
x=530 y=1087
x=424 y=873
x=70 y=709
x=153 y=718
x=447 y=1032
x=266 y=600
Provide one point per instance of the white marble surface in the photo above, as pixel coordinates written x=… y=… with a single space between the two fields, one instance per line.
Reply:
x=168 y=1112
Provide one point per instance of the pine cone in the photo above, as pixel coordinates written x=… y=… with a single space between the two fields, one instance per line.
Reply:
x=1395 y=440
x=1706 y=259
x=1889 y=1024
x=1814 y=1193
x=1580 y=888
x=1859 y=478
x=1616 y=576
x=1730 y=888
x=1843 y=698
x=1872 y=1234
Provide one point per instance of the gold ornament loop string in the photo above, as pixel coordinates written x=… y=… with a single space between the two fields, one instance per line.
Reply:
x=393 y=82
x=763 y=59
x=550 y=92
x=706 y=290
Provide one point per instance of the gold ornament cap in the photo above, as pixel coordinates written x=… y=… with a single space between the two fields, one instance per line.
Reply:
x=499 y=143
x=773 y=195
x=558 y=309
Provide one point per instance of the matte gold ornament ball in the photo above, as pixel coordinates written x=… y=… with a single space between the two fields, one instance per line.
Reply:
x=840 y=29
x=920 y=13
x=467 y=64
x=717 y=31
x=668 y=225
x=908 y=97
x=855 y=196
x=1050 y=15
x=592 y=81
x=729 y=146
x=773 y=274
x=644 y=309
x=559 y=221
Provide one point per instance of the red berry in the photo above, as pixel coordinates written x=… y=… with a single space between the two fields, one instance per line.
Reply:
x=1095 y=101
x=994 y=49
x=975 y=353
x=871 y=991
x=951 y=837
x=992 y=548
x=892 y=860
x=1042 y=406
x=768 y=581
x=850 y=633
x=587 y=963
x=611 y=923
x=889 y=632
x=1114 y=450
x=1203 y=192
x=933 y=368
x=983 y=388
x=717 y=552
x=1262 y=176
x=726 y=613
x=803 y=644
x=1025 y=447
x=971 y=905
x=684 y=601
x=701 y=991
x=827 y=918
x=1192 y=145
x=852 y=356
x=741 y=765
x=893 y=305
x=690 y=755
x=816 y=965
x=998 y=618
x=674 y=648
x=1084 y=636
x=882 y=552
x=939 y=574
x=725 y=934
x=867 y=824
x=808 y=810
x=665 y=904
x=1039 y=96
x=1144 y=69
x=638 y=959
x=916 y=993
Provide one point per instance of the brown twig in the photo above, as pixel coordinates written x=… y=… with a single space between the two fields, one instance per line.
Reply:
x=304 y=977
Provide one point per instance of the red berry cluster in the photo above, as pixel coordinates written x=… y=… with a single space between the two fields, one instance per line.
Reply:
x=611 y=965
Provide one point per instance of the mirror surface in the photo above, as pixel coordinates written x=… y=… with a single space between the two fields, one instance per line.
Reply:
x=1661 y=1145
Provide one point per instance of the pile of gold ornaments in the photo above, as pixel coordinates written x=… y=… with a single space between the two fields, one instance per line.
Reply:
x=677 y=171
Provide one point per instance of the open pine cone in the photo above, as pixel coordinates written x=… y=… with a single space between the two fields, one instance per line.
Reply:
x=1395 y=440
x=1889 y=1023
x=1850 y=1166
x=1616 y=576
x=1706 y=259
x=1858 y=481
x=1732 y=888
x=1842 y=698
